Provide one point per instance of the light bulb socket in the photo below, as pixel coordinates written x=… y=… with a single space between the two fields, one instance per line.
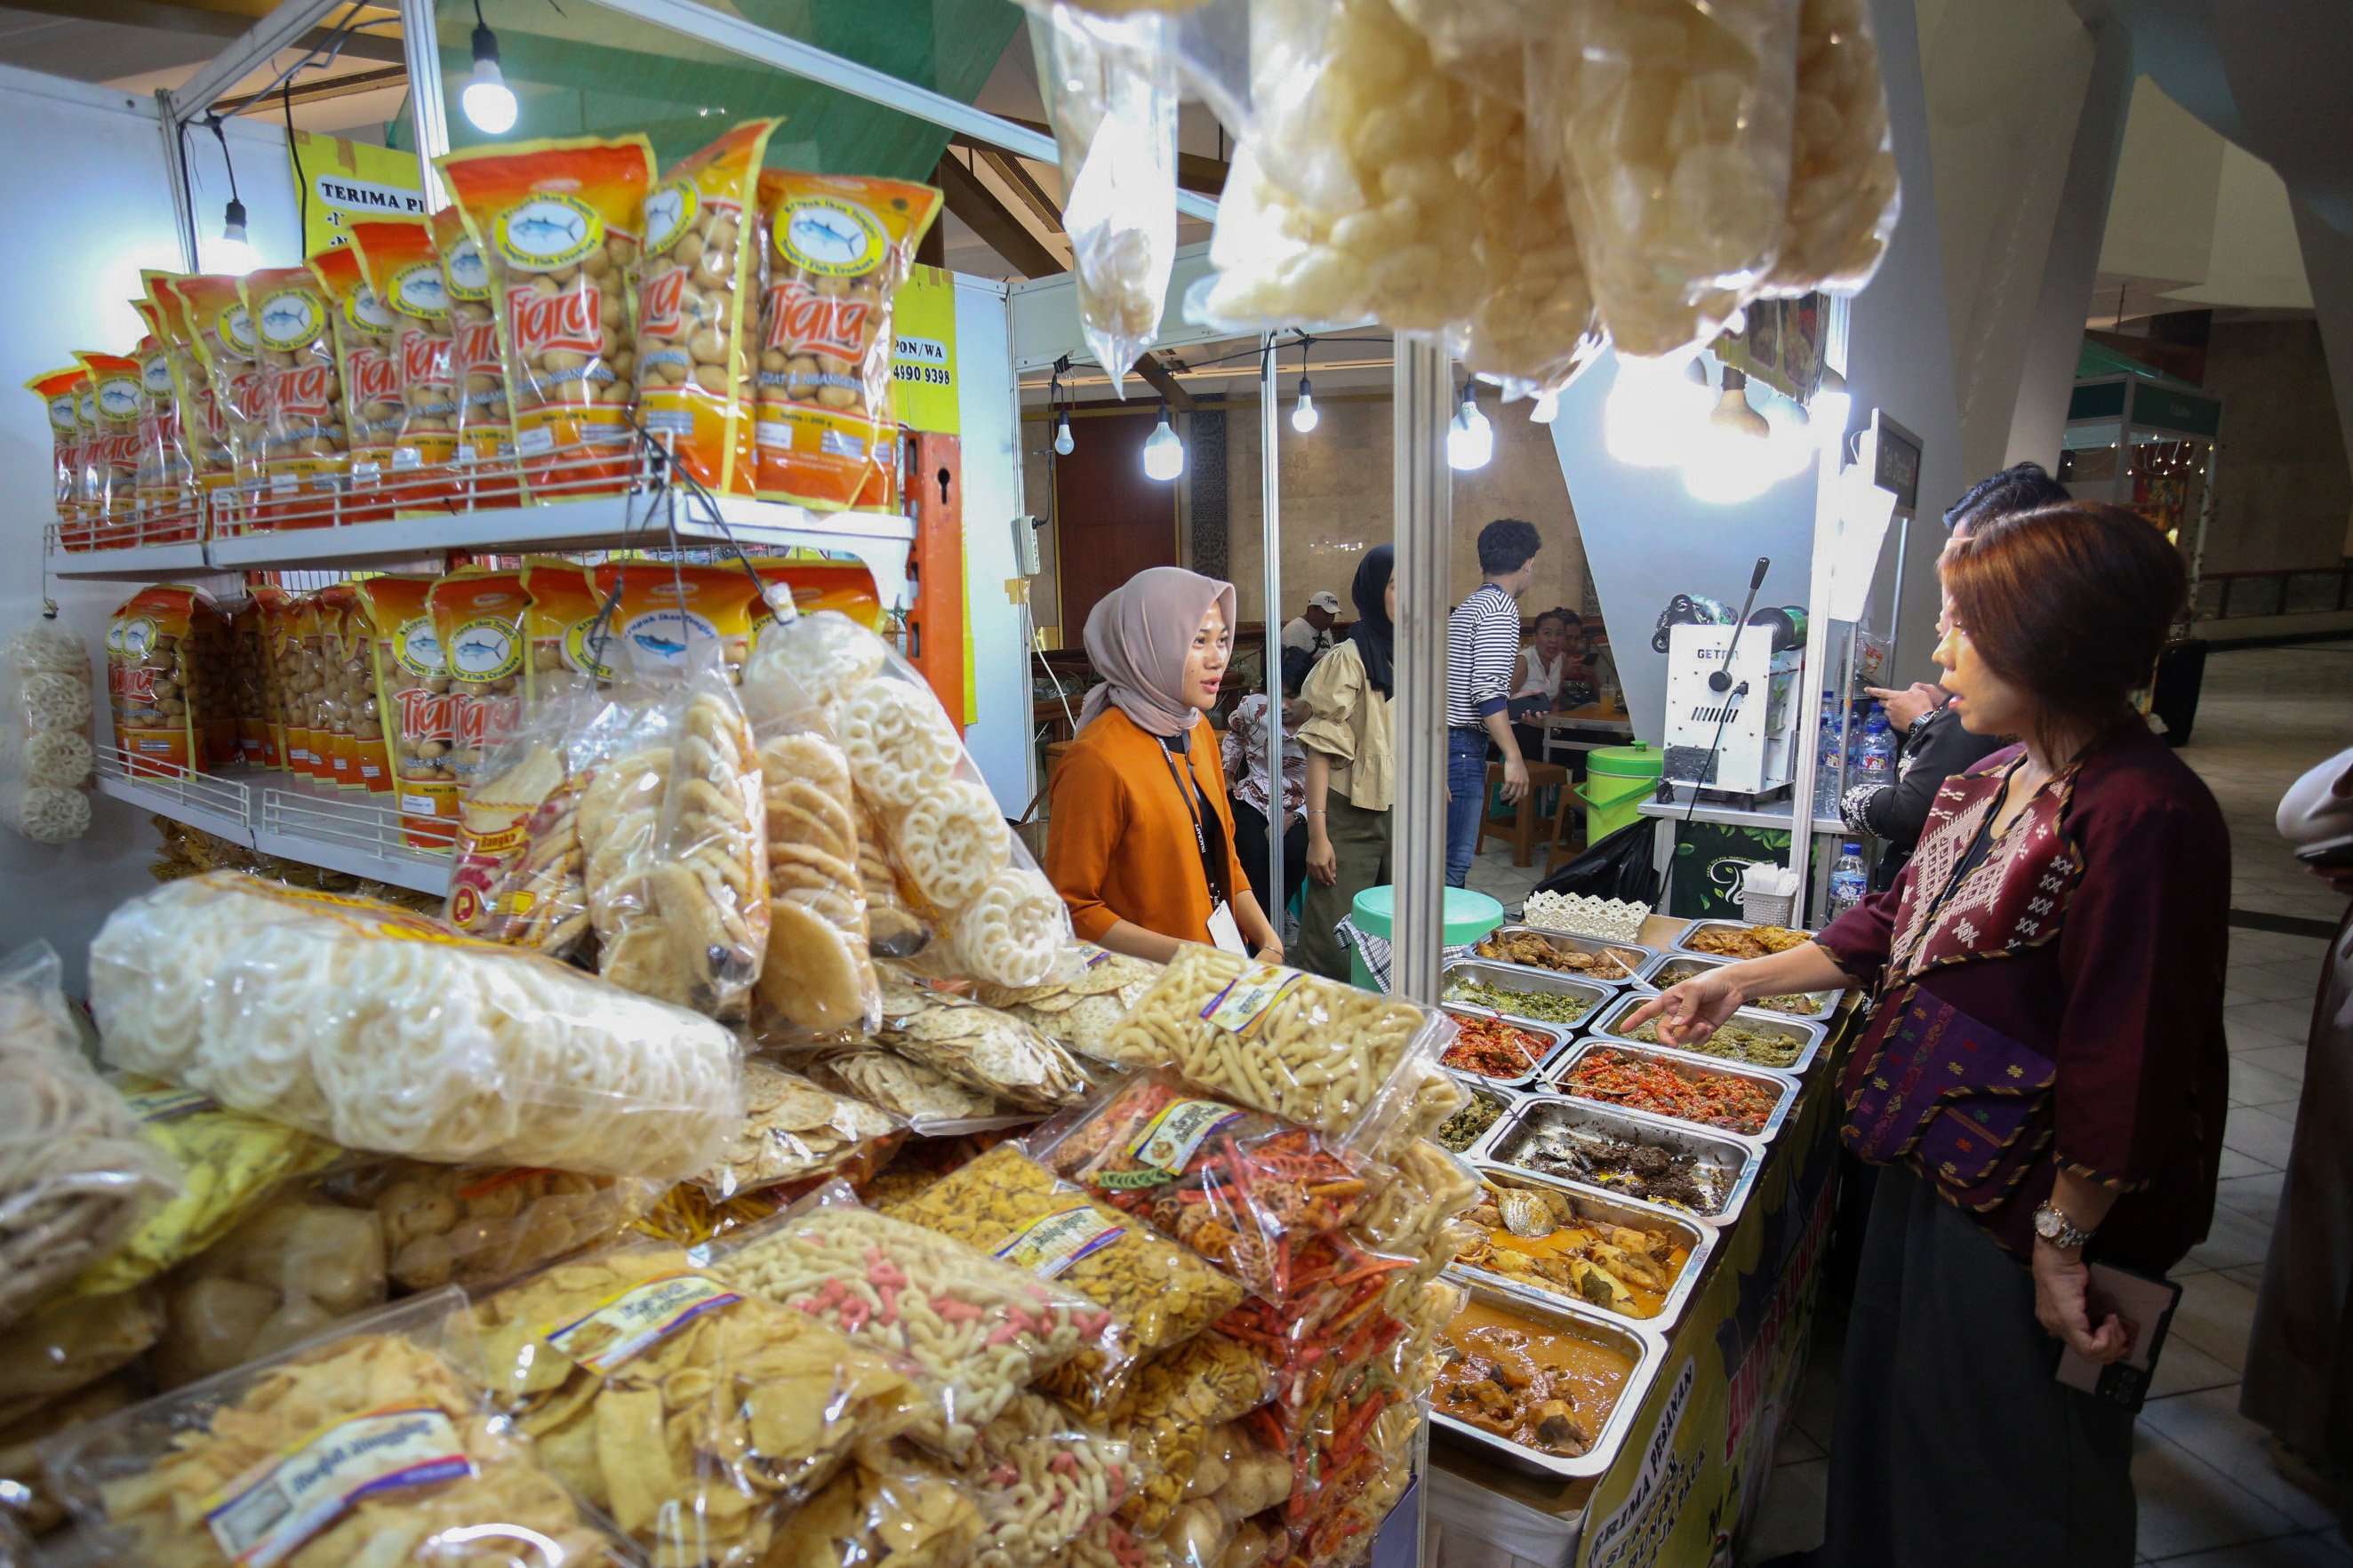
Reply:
x=486 y=52
x=1306 y=392
x=233 y=228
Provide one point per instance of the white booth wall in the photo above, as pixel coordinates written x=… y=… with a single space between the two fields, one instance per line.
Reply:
x=85 y=176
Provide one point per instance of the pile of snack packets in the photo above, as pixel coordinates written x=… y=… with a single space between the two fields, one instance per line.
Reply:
x=745 y=1167
x=511 y=347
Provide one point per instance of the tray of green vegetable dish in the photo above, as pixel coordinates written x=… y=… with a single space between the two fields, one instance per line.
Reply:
x=1561 y=1001
x=1674 y=968
x=1760 y=1039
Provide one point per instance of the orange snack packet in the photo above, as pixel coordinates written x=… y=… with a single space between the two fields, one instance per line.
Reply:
x=301 y=662
x=477 y=364
x=839 y=246
x=166 y=680
x=360 y=726
x=397 y=256
x=478 y=617
x=165 y=477
x=110 y=451
x=332 y=608
x=203 y=434
x=360 y=333
x=270 y=608
x=666 y=612
x=413 y=707
x=563 y=606
x=697 y=284
x=556 y=222
x=59 y=392
x=222 y=331
x=305 y=457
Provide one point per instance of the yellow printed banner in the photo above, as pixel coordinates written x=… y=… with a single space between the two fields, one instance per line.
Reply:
x=923 y=363
x=347 y=181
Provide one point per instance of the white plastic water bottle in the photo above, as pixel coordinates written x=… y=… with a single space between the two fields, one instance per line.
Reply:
x=1829 y=777
x=1875 y=755
x=1849 y=880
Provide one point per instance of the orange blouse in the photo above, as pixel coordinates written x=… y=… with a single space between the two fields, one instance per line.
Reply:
x=1120 y=845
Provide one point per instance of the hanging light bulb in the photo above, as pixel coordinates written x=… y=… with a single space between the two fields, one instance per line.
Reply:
x=1164 y=454
x=1730 y=462
x=1469 y=439
x=488 y=100
x=1734 y=413
x=1062 y=442
x=1790 y=446
x=1303 y=415
x=1655 y=409
x=233 y=251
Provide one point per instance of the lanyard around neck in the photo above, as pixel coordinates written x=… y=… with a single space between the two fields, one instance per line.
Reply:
x=1192 y=812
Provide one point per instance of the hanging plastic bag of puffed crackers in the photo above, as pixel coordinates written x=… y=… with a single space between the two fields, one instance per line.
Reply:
x=1000 y=920
x=1844 y=190
x=697 y=302
x=818 y=976
x=670 y=829
x=839 y=247
x=305 y=458
x=1677 y=133
x=397 y=256
x=516 y=874
x=1111 y=92
x=365 y=337
x=556 y=222
x=478 y=365
x=380 y=1426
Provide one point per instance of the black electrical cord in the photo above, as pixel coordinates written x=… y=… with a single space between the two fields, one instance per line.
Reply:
x=221 y=136
x=301 y=182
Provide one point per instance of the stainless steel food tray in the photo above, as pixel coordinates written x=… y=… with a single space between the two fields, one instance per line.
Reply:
x=1631 y=1212
x=1633 y=954
x=1487 y=1090
x=1526 y=1082
x=1672 y=968
x=1783 y=1088
x=1646 y=1352
x=1682 y=942
x=1596 y=993
x=1733 y=1160
x=1808 y=1037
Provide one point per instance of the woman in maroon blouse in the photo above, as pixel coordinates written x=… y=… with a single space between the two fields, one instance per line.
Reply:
x=2045 y=1075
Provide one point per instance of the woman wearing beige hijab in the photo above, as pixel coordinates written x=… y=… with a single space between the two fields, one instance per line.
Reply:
x=1140 y=841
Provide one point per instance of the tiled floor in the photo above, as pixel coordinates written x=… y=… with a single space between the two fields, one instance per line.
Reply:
x=2209 y=1496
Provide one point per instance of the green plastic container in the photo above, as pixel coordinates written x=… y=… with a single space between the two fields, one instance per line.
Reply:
x=1618 y=779
x=1466 y=916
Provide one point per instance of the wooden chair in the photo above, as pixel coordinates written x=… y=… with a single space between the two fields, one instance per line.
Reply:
x=1517 y=825
x=1567 y=832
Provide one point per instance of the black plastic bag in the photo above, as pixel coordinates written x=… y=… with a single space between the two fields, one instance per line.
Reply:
x=1619 y=866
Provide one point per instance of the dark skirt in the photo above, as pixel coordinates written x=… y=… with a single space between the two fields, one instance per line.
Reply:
x=1953 y=1447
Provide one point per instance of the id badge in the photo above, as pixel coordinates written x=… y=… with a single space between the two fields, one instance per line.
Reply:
x=1224 y=933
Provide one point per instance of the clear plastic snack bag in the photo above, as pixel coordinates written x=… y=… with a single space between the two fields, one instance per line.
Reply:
x=980 y=1047
x=517 y=873
x=72 y=1344
x=1172 y=1413
x=76 y=1173
x=385 y=1030
x=1045 y=1480
x=1082 y=1004
x=795 y=1130
x=474 y=1226
x=371 y=1446
x=296 y=1265
x=997 y=917
x=1351 y=1064
x=928 y=1100
x=1111 y=92
x=674 y=851
x=1677 y=133
x=1159 y=1294
x=817 y=977
x=889 y=1508
x=694 y=1416
x=976 y=1330
x=45 y=750
x=1843 y=191
x=1244 y=1190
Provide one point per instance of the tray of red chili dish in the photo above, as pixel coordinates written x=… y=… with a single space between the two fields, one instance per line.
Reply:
x=1502 y=1050
x=1698 y=1090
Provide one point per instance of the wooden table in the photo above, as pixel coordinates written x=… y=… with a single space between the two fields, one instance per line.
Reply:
x=1584 y=729
x=1517 y=824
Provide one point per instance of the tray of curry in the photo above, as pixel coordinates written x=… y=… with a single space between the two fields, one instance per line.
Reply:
x=1545 y=1387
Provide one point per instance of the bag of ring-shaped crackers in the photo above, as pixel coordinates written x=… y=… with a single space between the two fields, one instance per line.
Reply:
x=840 y=247
x=696 y=286
x=556 y=222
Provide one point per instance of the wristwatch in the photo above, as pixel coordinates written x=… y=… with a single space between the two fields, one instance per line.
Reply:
x=2053 y=1225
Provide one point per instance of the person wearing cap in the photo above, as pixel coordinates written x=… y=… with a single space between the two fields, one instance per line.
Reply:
x=1309 y=631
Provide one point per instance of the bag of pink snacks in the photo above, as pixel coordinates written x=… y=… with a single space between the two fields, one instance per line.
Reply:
x=971 y=1331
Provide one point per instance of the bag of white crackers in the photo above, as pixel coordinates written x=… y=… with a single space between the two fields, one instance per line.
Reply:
x=993 y=914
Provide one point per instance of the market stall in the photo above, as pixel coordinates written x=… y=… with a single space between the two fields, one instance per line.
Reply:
x=601 y=1081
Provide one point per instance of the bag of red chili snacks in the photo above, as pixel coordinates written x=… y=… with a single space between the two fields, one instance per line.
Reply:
x=1244 y=1190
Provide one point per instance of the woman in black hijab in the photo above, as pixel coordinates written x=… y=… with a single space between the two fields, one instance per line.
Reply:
x=1351 y=766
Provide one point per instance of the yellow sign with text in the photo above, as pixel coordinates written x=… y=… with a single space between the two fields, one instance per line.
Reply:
x=923 y=367
x=345 y=181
